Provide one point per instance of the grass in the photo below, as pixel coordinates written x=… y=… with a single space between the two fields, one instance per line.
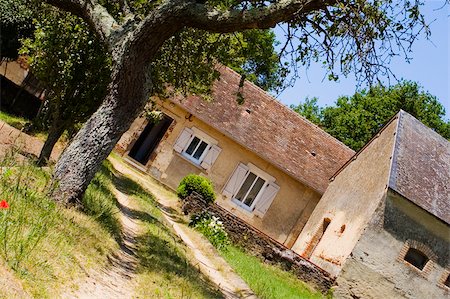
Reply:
x=267 y=281
x=164 y=270
x=44 y=245
x=14 y=121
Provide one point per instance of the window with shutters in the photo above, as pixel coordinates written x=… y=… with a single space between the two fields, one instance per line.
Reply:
x=251 y=188
x=197 y=147
x=196 y=150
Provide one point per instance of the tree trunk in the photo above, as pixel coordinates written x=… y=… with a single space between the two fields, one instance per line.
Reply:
x=55 y=131
x=128 y=92
x=93 y=143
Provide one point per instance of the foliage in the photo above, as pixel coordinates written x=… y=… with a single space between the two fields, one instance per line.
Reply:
x=309 y=109
x=355 y=120
x=267 y=281
x=188 y=60
x=196 y=183
x=212 y=228
x=73 y=66
x=15 y=22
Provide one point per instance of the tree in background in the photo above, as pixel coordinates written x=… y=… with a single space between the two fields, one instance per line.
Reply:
x=15 y=23
x=352 y=36
x=74 y=68
x=355 y=120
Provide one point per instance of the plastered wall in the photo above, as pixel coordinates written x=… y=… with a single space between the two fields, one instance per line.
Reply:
x=289 y=210
x=349 y=202
x=376 y=267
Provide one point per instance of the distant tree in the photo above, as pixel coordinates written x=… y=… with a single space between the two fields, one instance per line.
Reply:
x=74 y=68
x=15 y=23
x=355 y=120
x=310 y=110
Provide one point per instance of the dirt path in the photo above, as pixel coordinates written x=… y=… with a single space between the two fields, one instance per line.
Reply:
x=205 y=255
x=116 y=280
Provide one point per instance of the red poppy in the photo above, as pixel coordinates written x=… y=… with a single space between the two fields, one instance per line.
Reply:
x=4 y=204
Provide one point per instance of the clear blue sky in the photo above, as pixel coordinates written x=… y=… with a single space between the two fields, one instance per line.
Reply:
x=430 y=66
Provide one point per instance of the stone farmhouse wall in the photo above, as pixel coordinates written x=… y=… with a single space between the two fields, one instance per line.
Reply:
x=261 y=245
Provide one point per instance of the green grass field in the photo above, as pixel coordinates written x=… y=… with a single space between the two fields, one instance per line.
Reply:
x=267 y=281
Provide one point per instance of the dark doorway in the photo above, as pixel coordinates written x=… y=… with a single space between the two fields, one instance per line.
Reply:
x=149 y=139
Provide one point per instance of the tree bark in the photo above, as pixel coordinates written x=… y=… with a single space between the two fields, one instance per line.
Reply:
x=93 y=143
x=55 y=131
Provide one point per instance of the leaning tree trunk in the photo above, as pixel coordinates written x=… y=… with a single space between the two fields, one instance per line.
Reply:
x=128 y=92
x=55 y=131
x=93 y=143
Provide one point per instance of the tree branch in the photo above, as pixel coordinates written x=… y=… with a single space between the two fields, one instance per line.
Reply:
x=98 y=18
x=204 y=17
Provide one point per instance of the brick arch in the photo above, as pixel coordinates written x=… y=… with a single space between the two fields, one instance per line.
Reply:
x=432 y=257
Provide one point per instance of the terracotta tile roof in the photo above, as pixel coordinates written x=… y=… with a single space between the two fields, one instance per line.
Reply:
x=421 y=166
x=271 y=130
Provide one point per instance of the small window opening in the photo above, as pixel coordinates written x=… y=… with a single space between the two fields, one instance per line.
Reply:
x=248 y=111
x=447 y=281
x=416 y=258
x=316 y=238
x=342 y=228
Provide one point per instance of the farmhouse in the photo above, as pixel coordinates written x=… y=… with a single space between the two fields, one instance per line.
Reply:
x=269 y=165
x=382 y=226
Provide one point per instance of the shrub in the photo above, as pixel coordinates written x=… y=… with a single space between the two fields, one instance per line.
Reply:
x=212 y=228
x=199 y=184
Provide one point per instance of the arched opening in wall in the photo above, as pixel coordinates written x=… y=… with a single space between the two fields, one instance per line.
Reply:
x=416 y=258
x=316 y=238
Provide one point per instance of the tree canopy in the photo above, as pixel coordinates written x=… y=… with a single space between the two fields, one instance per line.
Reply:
x=354 y=120
x=356 y=36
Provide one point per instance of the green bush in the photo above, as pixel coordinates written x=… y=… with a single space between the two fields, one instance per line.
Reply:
x=199 y=184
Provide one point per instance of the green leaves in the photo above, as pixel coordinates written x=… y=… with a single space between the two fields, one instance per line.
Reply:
x=355 y=120
x=73 y=65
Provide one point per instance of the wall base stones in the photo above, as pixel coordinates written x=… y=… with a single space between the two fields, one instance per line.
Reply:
x=259 y=244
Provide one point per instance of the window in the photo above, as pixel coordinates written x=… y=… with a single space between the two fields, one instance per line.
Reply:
x=250 y=189
x=416 y=258
x=198 y=147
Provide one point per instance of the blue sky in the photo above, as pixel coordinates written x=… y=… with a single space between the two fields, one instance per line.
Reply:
x=430 y=66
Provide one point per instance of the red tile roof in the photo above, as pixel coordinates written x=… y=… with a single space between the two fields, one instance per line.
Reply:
x=271 y=130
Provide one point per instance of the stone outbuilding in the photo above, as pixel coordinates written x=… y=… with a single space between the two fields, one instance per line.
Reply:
x=382 y=226
x=269 y=165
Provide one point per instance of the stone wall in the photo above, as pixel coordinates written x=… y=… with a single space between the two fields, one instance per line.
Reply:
x=259 y=244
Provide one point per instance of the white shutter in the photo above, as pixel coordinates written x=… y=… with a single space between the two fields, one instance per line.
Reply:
x=211 y=157
x=264 y=202
x=235 y=181
x=182 y=140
